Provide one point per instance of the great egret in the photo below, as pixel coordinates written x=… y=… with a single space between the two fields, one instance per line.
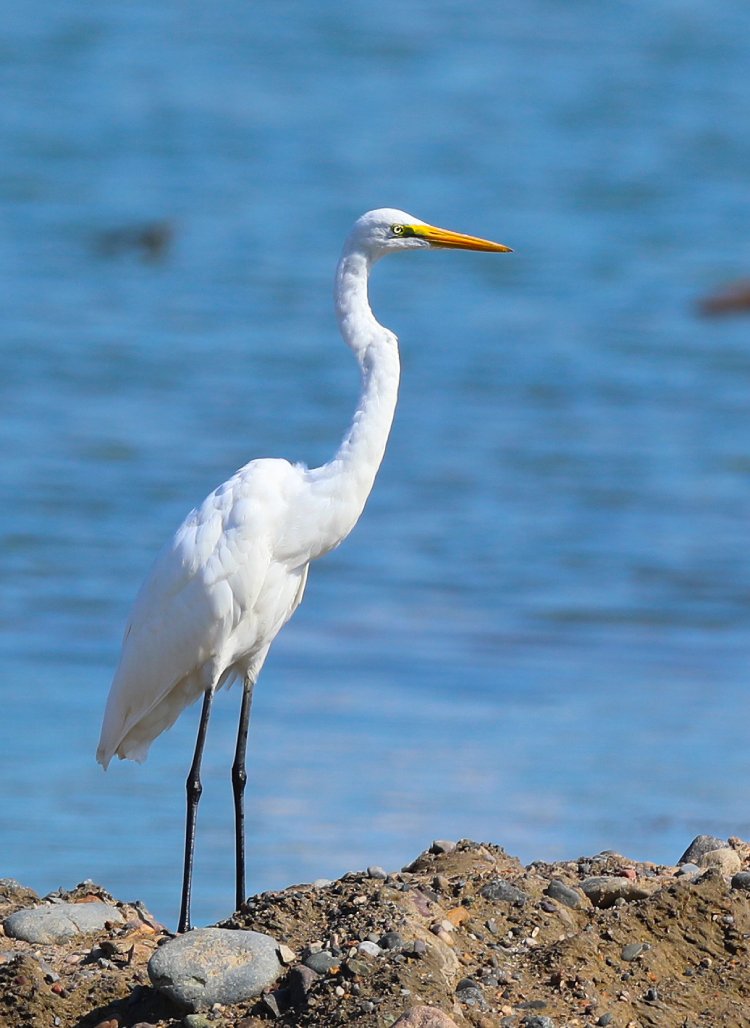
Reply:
x=235 y=570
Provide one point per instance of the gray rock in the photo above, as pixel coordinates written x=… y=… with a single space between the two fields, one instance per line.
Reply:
x=321 y=962
x=370 y=948
x=391 y=940
x=604 y=891
x=470 y=993
x=701 y=844
x=377 y=872
x=58 y=922
x=442 y=846
x=299 y=982
x=215 y=965
x=741 y=880
x=538 y=1021
x=196 y=1021
x=633 y=950
x=501 y=891
x=687 y=871
x=561 y=892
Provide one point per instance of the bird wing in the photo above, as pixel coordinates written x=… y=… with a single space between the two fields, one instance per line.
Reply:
x=198 y=604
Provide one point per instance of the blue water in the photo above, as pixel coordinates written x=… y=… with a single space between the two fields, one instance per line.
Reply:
x=539 y=634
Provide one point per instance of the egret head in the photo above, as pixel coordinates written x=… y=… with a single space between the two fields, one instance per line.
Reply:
x=386 y=230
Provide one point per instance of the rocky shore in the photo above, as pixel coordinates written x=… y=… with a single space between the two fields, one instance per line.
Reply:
x=463 y=936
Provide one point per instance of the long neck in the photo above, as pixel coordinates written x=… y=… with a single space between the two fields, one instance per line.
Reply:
x=344 y=484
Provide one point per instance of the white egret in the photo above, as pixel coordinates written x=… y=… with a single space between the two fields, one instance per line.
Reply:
x=235 y=570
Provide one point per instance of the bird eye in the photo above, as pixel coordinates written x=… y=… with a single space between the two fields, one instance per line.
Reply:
x=397 y=230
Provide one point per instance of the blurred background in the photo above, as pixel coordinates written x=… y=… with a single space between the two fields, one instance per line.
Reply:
x=539 y=634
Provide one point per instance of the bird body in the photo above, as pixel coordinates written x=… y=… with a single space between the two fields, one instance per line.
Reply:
x=236 y=569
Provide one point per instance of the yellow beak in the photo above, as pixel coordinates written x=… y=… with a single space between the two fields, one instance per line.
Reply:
x=456 y=240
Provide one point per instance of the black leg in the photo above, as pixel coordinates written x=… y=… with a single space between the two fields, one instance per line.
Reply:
x=194 y=790
x=239 y=780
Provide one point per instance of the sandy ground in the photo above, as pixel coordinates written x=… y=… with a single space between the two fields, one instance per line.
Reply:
x=465 y=930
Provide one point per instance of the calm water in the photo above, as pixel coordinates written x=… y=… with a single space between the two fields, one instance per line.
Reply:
x=539 y=634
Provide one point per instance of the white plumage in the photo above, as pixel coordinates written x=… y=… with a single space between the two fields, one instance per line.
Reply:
x=235 y=570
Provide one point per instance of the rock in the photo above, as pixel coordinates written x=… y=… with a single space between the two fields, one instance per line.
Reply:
x=377 y=872
x=321 y=962
x=633 y=950
x=286 y=955
x=214 y=965
x=558 y=890
x=604 y=891
x=299 y=982
x=196 y=1021
x=370 y=948
x=701 y=844
x=687 y=871
x=741 y=880
x=725 y=858
x=442 y=846
x=424 y=1017
x=538 y=1021
x=57 y=922
x=499 y=890
x=391 y=940
x=470 y=994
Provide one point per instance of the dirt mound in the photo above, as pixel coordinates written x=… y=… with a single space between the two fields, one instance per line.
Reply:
x=464 y=929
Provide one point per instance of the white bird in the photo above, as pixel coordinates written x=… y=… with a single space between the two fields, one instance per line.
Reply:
x=235 y=570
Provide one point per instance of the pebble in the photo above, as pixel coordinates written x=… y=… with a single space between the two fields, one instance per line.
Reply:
x=196 y=1021
x=391 y=940
x=741 y=880
x=501 y=891
x=604 y=891
x=701 y=844
x=604 y=1020
x=322 y=883
x=286 y=955
x=425 y=1017
x=558 y=890
x=538 y=1021
x=633 y=950
x=321 y=962
x=377 y=872
x=370 y=948
x=725 y=858
x=214 y=965
x=58 y=922
x=299 y=982
x=470 y=993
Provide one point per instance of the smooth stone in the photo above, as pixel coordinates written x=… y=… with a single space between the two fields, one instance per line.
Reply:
x=701 y=844
x=725 y=858
x=501 y=891
x=633 y=950
x=561 y=892
x=215 y=965
x=442 y=846
x=604 y=891
x=741 y=880
x=370 y=948
x=321 y=962
x=59 y=922
x=424 y=1017
x=538 y=1021
x=377 y=872
x=687 y=871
